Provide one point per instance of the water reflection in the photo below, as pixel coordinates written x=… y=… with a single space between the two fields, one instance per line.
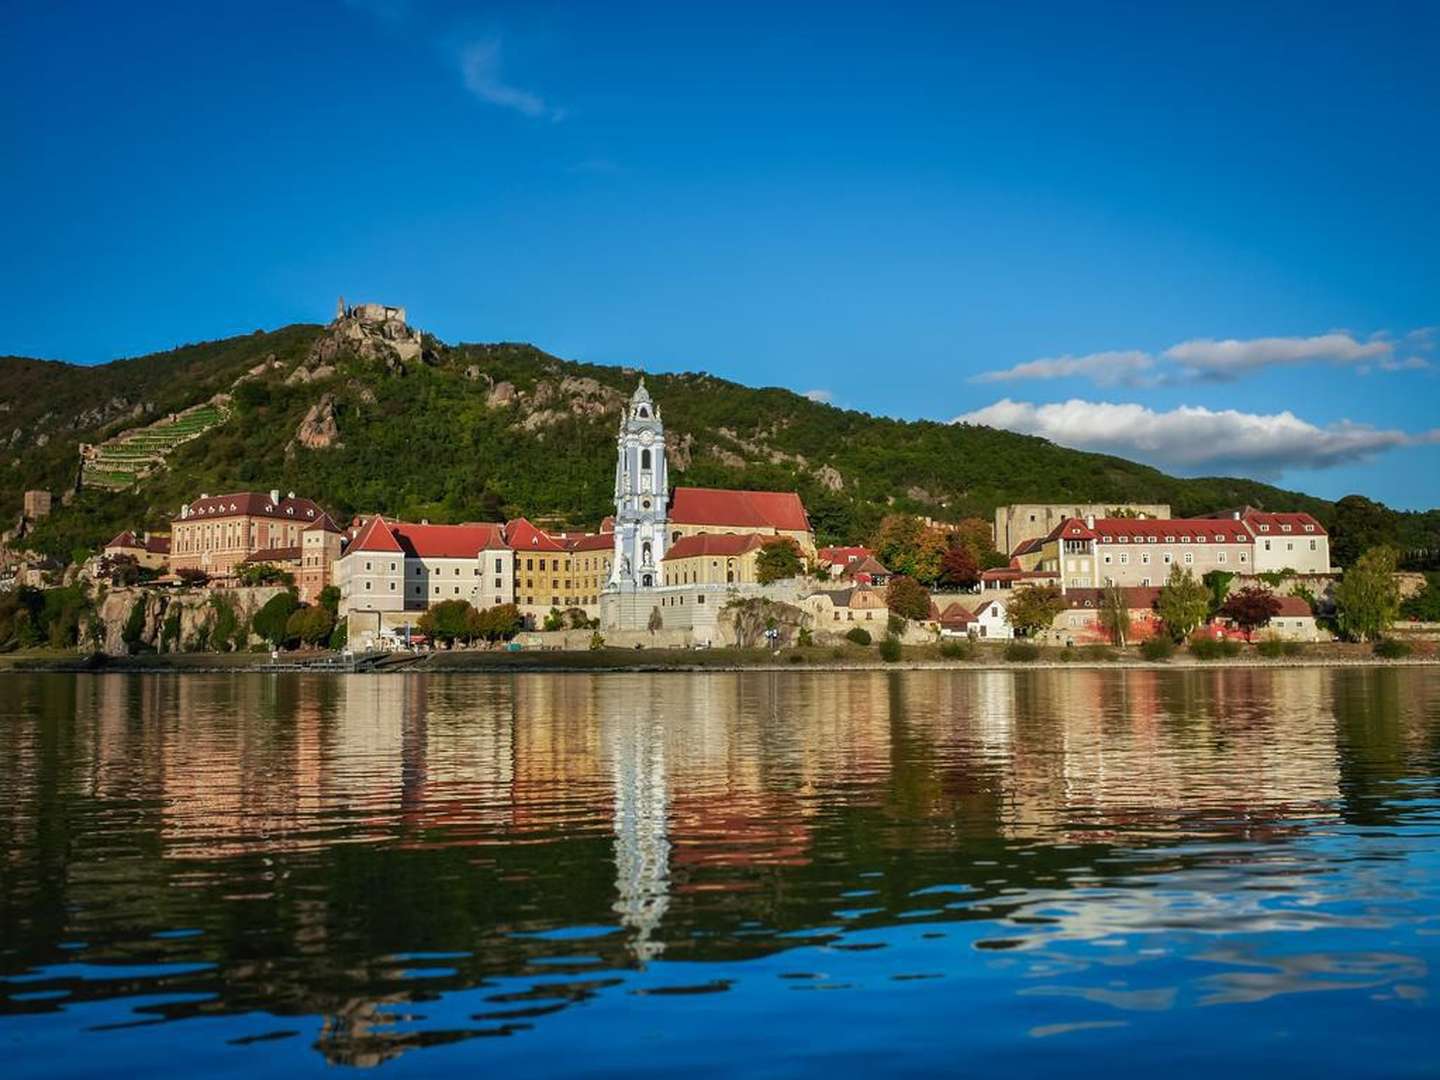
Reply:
x=364 y=865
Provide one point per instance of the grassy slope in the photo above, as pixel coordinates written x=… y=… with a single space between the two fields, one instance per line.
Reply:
x=425 y=444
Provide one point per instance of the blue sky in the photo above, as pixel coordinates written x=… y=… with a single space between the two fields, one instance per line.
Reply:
x=1204 y=237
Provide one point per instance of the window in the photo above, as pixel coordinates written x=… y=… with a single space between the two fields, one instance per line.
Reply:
x=644 y=459
x=367 y=566
x=1312 y=545
x=1124 y=558
x=392 y=586
x=1189 y=558
x=1145 y=558
x=1220 y=558
x=1169 y=558
x=1242 y=556
x=367 y=586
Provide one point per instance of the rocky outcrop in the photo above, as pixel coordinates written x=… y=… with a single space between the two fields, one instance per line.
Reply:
x=303 y=374
x=168 y=621
x=829 y=478
x=389 y=341
x=501 y=394
x=680 y=451
x=319 y=430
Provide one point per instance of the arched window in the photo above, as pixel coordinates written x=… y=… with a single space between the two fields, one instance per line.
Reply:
x=643 y=412
x=644 y=459
x=645 y=552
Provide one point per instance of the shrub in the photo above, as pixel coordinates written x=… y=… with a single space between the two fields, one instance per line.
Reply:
x=1022 y=651
x=1274 y=648
x=859 y=635
x=1157 y=648
x=1208 y=648
x=794 y=657
x=838 y=653
x=955 y=650
x=1068 y=654
x=271 y=622
x=890 y=649
x=597 y=641
x=1097 y=653
x=1391 y=649
x=804 y=638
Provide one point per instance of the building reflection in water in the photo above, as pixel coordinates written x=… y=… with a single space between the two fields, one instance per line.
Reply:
x=320 y=827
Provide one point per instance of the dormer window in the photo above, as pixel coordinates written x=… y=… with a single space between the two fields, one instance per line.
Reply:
x=1169 y=539
x=1184 y=539
x=1284 y=528
x=1264 y=528
x=1219 y=538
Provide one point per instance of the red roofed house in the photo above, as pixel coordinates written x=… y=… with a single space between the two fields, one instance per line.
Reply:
x=957 y=621
x=216 y=533
x=711 y=559
x=151 y=552
x=1096 y=552
x=398 y=567
x=1081 y=622
x=761 y=513
x=1286 y=541
x=835 y=559
x=866 y=571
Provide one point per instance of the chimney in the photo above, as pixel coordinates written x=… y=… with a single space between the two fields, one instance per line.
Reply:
x=274 y=495
x=1089 y=521
x=291 y=495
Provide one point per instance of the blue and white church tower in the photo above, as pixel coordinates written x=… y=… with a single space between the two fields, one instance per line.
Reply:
x=642 y=495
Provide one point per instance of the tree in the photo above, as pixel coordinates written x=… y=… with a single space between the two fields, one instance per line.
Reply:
x=329 y=598
x=1251 y=608
x=448 y=621
x=1033 y=609
x=312 y=625
x=778 y=559
x=1424 y=606
x=1115 y=615
x=960 y=568
x=907 y=598
x=272 y=621
x=264 y=574
x=1360 y=524
x=657 y=621
x=555 y=620
x=122 y=570
x=1184 y=603
x=1218 y=582
x=906 y=545
x=1367 y=599
x=498 y=623
x=192 y=577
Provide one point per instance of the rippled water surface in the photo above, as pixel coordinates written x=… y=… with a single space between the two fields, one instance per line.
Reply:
x=776 y=874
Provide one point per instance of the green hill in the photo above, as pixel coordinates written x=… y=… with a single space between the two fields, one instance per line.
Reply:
x=483 y=431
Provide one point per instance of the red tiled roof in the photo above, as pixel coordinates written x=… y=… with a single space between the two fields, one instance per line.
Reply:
x=743 y=509
x=523 y=536
x=253 y=504
x=601 y=541
x=125 y=539
x=375 y=535
x=1112 y=530
x=1137 y=597
x=326 y=524
x=447 y=541
x=842 y=555
x=157 y=545
x=957 y=613
x=719 y=544
x=1293 y=607
x=1277 y=523
x=1028 y=546
x=868 y=565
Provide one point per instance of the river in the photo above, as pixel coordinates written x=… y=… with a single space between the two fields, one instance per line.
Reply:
x=779 y=874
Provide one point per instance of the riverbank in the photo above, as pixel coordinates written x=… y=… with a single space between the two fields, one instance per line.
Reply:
x=845 y=658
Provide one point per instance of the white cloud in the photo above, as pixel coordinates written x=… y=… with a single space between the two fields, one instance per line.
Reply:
x=1232 y=357
x=480 y=67
x=825 y=397
x=1193 y=438
x=1127 y=367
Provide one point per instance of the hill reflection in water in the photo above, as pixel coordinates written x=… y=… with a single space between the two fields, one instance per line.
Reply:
x=224 y=872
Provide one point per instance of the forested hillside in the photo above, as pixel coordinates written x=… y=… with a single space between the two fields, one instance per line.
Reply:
x=486 y=431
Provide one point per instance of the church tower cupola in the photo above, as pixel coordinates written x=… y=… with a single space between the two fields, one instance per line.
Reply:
x=642 y=495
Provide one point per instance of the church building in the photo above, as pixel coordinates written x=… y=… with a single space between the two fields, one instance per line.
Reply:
x=699 y=525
